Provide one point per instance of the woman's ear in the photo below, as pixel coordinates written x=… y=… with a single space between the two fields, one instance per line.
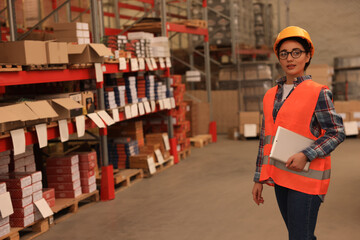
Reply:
x=308 y=58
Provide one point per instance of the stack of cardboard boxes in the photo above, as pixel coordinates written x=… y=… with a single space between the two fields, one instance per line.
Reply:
x=21 y=190
x=64 y=176
x=72 y=32
x=129 y=129
x=24 y=162
x=249 y=124
x=4 y=221
x=350 y=112
x=49 y=196
x=4 y=161
x=198 y=114
x=120 y=151
x=321 y=73
x=87 y=165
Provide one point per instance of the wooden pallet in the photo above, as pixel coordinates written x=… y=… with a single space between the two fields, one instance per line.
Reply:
x=127 y=177
x=80 y=65
x=200 y=140
x=10 y=67
x=66 y=207
x=184 y=153
x=30 y=232
x=160 y=167
x=44 y=67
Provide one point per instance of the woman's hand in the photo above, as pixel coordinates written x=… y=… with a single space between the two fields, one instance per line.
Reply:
x=256 y=192
x=297 y=162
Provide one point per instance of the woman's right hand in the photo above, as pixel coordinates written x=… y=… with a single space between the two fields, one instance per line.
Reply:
x=256 y=192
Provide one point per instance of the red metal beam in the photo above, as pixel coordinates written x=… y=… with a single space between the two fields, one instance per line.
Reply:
x=32 y=77
x=173 y=27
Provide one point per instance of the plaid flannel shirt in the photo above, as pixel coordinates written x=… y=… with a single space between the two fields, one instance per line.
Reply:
x=324 y=117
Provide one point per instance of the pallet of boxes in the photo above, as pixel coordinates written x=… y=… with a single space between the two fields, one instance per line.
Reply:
x=154 y=156
x=181 y=125
x=21 y=196
x=350 y=113
x=249 y=124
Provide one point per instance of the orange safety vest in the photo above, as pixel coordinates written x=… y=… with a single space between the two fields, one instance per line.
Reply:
x=295 y=115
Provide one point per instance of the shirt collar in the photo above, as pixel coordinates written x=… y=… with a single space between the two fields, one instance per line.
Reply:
x=298 y=80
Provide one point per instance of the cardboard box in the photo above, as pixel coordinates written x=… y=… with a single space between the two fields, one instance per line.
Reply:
x=23 y=52
x=87 y=181
x=37 y=186
x=68 y=194
x=56 y=53
x=9 y=120
x=4 y=229
x=70 y=26
x=249 y=118
x=23 y=212
x=88 y=53
x=61 y=170
x=4 y=221
x=65 y=186
x=18 y=193
x=69 y=178
x=37 y=195
x=89 y=189
x=48 y=193
x=22 y=222
x=35 y=176
x=21 y=202
x=66 y=108
x=351 y=128
x=87 y=173
x=68 y=160
x=51 y=201
x=2 y=187
x=14 y=181
x=42 y=110
x=25 y=114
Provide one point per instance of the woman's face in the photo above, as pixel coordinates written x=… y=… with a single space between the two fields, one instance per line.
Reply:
x=293 y=67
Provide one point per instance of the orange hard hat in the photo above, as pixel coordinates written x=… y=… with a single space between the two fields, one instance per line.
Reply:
x=294 y=31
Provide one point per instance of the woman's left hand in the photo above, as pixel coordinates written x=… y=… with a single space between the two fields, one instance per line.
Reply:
x=297 y=162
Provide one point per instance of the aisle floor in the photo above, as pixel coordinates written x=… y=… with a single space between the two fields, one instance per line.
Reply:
x=208 y=197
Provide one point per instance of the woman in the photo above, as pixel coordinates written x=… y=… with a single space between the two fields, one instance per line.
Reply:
x=305 y=107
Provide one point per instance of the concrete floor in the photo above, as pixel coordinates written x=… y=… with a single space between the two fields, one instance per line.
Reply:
x=208 y=197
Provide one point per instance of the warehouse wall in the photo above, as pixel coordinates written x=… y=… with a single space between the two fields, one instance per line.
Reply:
x=332 y=25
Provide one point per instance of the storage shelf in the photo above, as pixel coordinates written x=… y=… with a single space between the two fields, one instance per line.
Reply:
x=45 y=76
x=53 y=131
x=173 y=27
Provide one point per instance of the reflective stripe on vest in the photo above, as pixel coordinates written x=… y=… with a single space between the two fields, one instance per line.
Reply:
x=295 y=115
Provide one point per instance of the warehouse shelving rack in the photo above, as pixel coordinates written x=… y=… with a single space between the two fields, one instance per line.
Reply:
x=16 y=78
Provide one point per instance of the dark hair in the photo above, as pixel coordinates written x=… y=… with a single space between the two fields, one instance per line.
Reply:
x=302 y=41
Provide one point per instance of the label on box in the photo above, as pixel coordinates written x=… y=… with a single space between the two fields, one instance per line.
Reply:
x=161 y=104
x=141 y=63
x=106 y=117
x=98 y=72
x=151 y=164
x=37 y=186
x=6 y=208
x=141 y=108
x=134 y=64
x=172 y=102
x=115 y=115
x=64 y=130
x=97 y=120
x=122 y=64
x=167 y=103
x=153 y=62
x=18 y=141
x=37 y=195
x=128 y=112
x=44 y=208
x=166 y=142
x=147 y=107
x=134 y=110
x=80 y=125
x=89 y=189
x=153 y=105
x=41 y=132
x=149 y=64
x=159 y=156
x=162 y=63
x=168 y=62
